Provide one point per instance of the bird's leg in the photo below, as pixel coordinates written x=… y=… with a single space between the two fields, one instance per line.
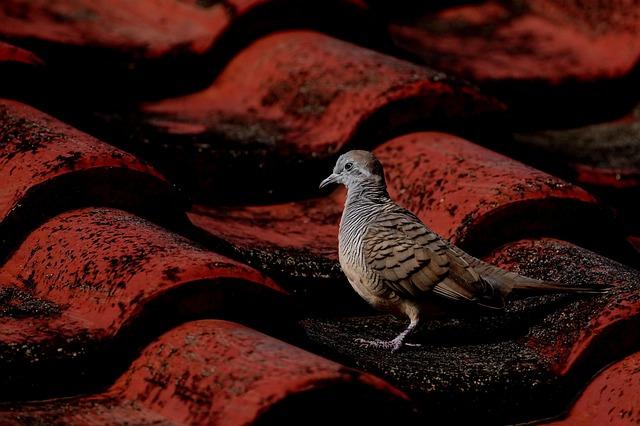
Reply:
x=394 y=344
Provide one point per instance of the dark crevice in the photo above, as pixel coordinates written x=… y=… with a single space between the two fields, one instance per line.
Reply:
x=587 y=225
x=266 y=169
x=349 y=403
x=142 y=194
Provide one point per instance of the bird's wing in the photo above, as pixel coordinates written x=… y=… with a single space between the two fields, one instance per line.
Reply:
x=414 y=261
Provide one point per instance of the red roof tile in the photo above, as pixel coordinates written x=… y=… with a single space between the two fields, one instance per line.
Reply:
x=551 y=60
x=10 y=53
x=287 y=102
x=578 y=338
x=546 y=40
x=605 y=155
x=152 y=28
x=610 y=399
x=87 y=277
x=217 y=372
x=48 y=167
x=479 y=198
x=124 y=44
x=296 y=240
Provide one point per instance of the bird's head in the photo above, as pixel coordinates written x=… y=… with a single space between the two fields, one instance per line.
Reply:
x=356 y=168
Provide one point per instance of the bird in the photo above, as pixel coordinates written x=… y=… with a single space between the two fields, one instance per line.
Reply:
x=399 y=265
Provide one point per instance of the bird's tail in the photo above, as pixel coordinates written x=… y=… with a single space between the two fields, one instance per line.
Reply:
x=509 y=283
x=529 y=286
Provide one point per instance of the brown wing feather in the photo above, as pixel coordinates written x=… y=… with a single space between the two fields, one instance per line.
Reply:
x=414 y=261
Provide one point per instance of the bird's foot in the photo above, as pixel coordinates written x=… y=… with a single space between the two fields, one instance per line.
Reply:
x=383 y=344
x=394 y=345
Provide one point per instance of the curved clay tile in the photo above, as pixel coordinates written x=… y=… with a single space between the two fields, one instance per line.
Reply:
x=578 y=338
x=13 y=54
x=604 y=157
x=550 y=58
x=92 y=282
x=480 y=199
x=153 y=46
x=223 y=373
x=610 y=399
x=550 y=40
x=48 y=167
x=285 y=105
x=21 y=71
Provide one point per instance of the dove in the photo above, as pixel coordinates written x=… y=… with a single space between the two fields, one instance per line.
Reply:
x=399 y=265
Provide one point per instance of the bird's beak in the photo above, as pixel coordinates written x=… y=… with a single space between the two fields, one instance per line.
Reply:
x=333 y=178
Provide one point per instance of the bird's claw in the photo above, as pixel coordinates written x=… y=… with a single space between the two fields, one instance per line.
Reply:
x=394 y=344
x=383 y=344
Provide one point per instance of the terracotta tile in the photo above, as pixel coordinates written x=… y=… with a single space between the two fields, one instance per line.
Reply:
x=284 y=106
x=610 y=399
x=92 y=284
x=603 y=157
x=49 y=167
x=11 y=53
x=552 y=60
x=223 y=373
x=150 y=47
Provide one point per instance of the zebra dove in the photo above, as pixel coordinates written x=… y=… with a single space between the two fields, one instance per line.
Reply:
x=399 y=265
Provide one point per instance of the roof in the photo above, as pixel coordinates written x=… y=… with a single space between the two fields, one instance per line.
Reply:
x=166 y=257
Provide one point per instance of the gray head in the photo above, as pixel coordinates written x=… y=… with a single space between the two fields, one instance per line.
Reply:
x=356 y=168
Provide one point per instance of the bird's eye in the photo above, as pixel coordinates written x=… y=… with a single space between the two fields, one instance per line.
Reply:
x=348 y=166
